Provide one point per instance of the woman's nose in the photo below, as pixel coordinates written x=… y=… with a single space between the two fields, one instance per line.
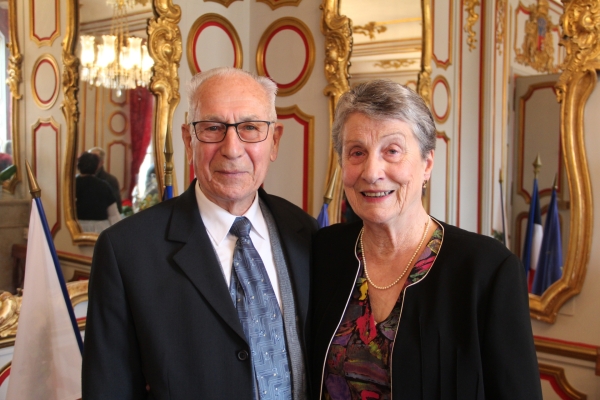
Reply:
x=373 y=169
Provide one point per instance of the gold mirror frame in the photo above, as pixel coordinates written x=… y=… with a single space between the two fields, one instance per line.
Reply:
x=337 y=30
x=580 y=23
x=165 y=47
x=13 y=81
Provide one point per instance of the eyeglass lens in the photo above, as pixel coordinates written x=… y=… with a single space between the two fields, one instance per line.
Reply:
x=248 y=131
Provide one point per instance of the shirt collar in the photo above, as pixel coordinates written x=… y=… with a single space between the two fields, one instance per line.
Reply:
x=218 y=221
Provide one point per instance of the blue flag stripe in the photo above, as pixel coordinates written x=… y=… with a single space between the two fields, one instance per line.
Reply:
x=61 y=278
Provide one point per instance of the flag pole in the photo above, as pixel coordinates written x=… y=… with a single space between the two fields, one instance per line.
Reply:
x=501 y=180
x=168 y=192
x=36 y=193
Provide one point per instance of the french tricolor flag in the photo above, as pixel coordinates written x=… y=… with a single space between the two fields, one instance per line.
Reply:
x=533 y=235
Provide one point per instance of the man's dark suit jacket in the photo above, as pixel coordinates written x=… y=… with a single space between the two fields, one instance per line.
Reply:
x=464 y=330
x=160 y=313
x=113 y=182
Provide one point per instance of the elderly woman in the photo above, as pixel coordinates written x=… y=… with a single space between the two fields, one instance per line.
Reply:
x=406 y=306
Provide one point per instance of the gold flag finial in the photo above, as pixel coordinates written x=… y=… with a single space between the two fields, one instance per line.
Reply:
x=501 y=178
x=537 y=165
x=329 y=193
x=34 y=189
x=555 y=184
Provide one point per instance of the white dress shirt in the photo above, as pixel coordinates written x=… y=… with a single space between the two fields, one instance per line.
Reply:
x=218 y=221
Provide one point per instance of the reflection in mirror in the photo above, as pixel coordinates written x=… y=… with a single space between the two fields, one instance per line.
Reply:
x=387 y=40
x=116 y=121
x=560 y=145
x=10 y=77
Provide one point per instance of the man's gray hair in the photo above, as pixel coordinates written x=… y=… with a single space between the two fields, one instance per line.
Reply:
x=197 y=80
x=383 y=99
x=99 y=151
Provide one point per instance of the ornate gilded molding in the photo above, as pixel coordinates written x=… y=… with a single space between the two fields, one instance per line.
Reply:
x=10 y=309
x=580 y=26
x=224 y=24
x=224 y=3
x=570 y=350
x=338 y=48
x=424 y=83
x=308 y=123
x=395 y=64
x=472 y=18
x=537 y=49
x=70 y=110
x=303 y=31
x=501 y=24
x=44 y=104
x=279 y=3
x=165 y=47
x=13 y=80
x=559 y=382
x=45 y=41
x=370 y=29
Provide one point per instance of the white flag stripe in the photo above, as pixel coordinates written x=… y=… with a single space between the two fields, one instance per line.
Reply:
x=536 y=245
x=47 y=360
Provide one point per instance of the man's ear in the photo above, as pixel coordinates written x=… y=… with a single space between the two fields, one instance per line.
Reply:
x=277 y=133
x=186 y=135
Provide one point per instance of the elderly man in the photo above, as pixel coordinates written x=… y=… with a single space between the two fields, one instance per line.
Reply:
x=112 y=180
x=205 y=296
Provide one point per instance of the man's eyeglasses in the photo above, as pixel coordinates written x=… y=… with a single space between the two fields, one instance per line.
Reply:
x=247 y=131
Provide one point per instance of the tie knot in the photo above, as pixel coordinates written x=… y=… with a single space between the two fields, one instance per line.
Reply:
x=241 y=227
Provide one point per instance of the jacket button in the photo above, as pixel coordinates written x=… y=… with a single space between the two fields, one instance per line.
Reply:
x=242 y=355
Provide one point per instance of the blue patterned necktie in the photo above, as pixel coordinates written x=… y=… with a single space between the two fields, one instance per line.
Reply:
x=260 y=316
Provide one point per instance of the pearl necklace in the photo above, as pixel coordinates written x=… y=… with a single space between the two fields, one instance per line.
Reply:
x=364 y=260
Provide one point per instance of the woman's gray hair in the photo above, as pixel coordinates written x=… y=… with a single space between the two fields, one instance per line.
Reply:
x=383 y=99
x=197 y=80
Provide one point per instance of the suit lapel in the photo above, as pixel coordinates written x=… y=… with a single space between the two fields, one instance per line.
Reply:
x=296 y=248
x=197 y=258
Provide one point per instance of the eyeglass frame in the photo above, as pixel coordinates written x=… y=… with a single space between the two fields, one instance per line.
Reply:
x=235 y=127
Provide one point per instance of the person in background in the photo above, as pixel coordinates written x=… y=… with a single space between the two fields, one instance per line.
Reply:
x=206 y=295
x=95 y=204
x=406 y=306
x=6 y=159
x=112 y=181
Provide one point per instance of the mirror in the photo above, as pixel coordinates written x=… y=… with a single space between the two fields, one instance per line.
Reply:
x=573 y=88
x=392 y=40
x=10 y=78
x=130 y=125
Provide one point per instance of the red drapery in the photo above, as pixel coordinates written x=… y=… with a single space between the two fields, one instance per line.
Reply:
x=141 y=104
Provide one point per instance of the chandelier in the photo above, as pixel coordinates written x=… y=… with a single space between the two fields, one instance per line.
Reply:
x=121 y=61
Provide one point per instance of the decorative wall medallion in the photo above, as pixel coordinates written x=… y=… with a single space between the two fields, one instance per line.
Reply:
x=472 y=18
x=441 y=99
x=44 y=25
x=289 y=39
x=537 y=49
x=45 y=81
x=118 y=123
x=213 y=42
x=280 y=3
x=225 y=3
